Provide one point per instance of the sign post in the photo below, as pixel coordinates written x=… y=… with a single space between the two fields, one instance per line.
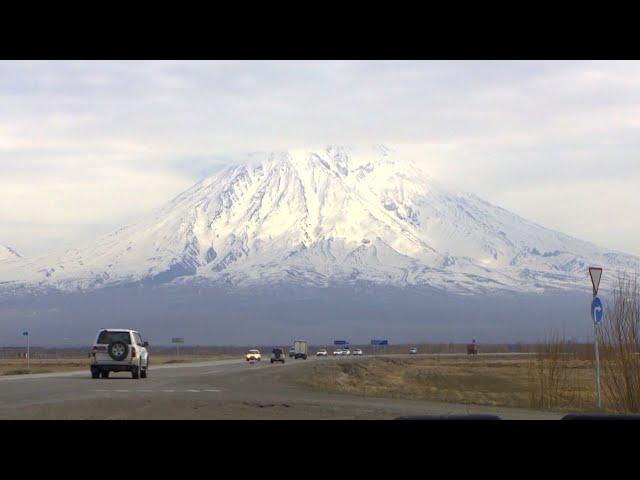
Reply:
x=597 y=314
x=25 y=333
x=382 y=343
x=177 y=341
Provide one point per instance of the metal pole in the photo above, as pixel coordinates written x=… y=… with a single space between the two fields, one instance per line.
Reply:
x=595 y=331
x=28 y=353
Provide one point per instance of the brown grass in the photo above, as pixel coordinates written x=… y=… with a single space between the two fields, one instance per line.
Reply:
x=18 y=366
x=494 y=381
x=557 y=375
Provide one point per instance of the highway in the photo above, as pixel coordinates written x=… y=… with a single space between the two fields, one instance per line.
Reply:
x=223 y=389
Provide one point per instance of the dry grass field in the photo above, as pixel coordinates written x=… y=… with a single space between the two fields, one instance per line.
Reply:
x=485 y=380
x=18 y=366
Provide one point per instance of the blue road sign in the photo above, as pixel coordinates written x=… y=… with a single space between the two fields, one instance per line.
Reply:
x=379 y=342
x=597 y=312
x=25 y=333
x=340 y=342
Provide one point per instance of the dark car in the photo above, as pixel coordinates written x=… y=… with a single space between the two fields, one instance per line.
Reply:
x=277 y=355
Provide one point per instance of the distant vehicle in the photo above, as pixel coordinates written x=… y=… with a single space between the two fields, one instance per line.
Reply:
x=337 y=352
x=118 y=350
x=321 y=353
x=253 y=355
x=277 y=355
x=292 y=352
x=358 y=352
x=300 y=349
x=413 y=351
x=346 y=351
x=472 y=348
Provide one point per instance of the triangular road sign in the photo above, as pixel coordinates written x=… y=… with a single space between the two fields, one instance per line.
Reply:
x=596 y=274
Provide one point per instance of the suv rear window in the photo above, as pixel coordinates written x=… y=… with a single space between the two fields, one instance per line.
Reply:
x=106 y=337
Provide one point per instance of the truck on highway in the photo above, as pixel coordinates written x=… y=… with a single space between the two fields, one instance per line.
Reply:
x=300 y=349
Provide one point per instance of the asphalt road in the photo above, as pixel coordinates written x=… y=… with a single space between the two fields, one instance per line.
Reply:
x=223 y=389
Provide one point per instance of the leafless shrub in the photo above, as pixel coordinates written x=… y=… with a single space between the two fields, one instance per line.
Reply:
x=620 y=340
x=553 y=382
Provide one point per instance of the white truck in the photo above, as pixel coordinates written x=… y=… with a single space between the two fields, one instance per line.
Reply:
x=300 y=349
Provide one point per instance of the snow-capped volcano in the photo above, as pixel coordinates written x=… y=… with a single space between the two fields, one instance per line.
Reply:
x=323 y=218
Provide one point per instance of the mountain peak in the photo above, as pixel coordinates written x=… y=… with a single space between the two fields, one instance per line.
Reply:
x=329 y=216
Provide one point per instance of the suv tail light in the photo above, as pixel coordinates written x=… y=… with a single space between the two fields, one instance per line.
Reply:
x=93 y=351
x=133 y=352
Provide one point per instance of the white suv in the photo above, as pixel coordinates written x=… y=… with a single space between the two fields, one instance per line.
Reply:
x=119 y=350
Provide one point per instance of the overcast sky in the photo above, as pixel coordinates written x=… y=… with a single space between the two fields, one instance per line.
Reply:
x=88 y=146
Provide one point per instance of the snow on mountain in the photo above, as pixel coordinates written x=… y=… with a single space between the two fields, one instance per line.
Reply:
x=7 y=253
x=322 y=218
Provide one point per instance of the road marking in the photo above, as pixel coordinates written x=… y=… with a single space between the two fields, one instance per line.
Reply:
x=190 y=390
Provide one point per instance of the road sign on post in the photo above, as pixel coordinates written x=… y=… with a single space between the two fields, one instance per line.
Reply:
x=596 y=274
x=177 y=341
x=340 y=342
x=25 y=333
x=597 y=314
x=377 y=343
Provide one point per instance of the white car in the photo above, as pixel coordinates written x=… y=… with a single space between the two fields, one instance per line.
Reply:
x=346 y=352
x=358 y=352
x=119 y=350
x=413 y=351
x=253 y=355
x=337 y=352
x=321 y=353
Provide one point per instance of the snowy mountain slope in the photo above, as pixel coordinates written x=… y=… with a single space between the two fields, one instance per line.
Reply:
x=7 y=253
x=322 y=218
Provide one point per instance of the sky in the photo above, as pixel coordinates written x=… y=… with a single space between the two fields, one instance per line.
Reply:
x=88 y=146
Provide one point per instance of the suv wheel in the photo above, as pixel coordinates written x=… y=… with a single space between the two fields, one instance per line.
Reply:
x=135 y=372
x=118 y=351
x=143 y=372
x=95 y=372
x=104 y=373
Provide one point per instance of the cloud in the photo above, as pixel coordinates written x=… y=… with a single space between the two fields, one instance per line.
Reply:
x=101 y=142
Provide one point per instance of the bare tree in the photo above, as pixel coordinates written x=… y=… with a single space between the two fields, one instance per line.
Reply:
x=620 y=340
